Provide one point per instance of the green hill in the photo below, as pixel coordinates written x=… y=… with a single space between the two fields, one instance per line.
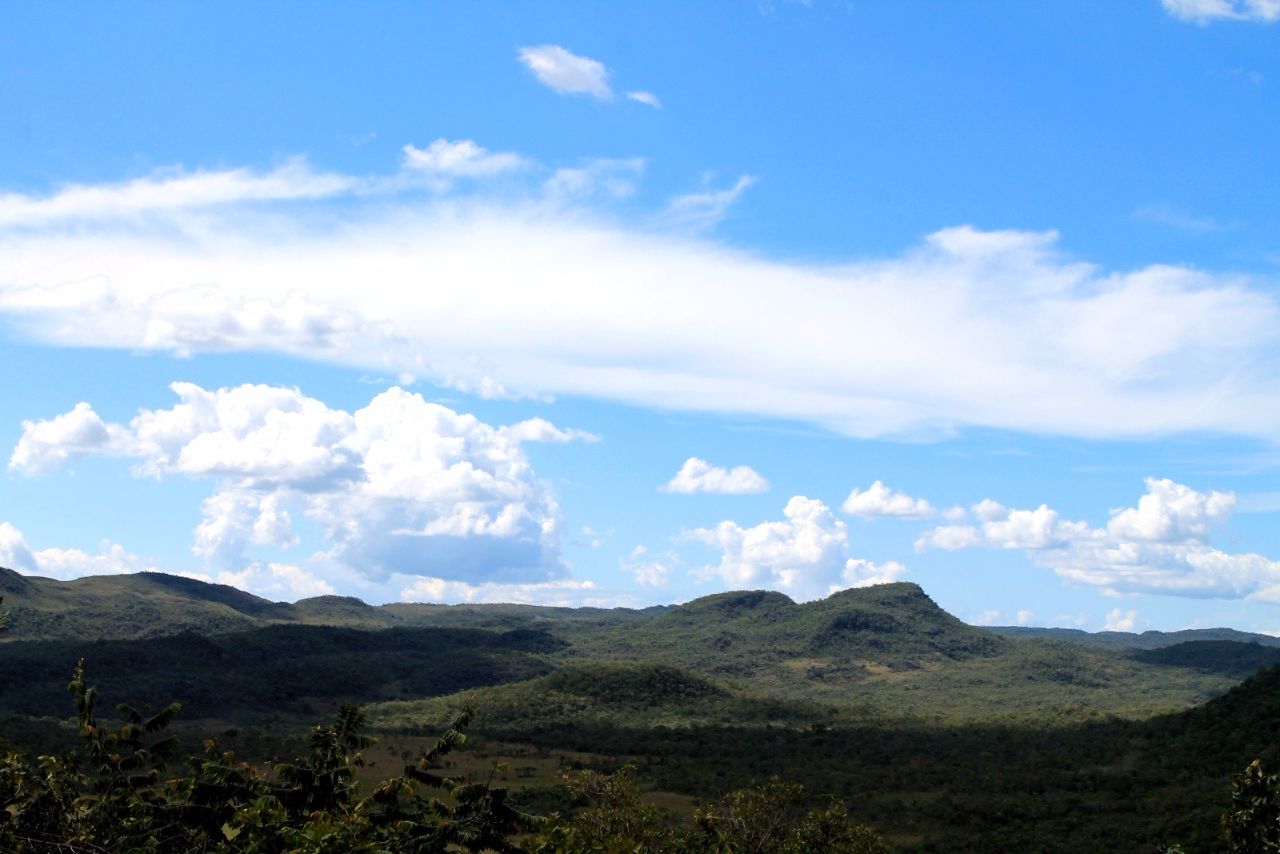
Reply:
x=152 y=605
x=290 y=670
x=1133 y=640
x=600 y=696
x=765 y=637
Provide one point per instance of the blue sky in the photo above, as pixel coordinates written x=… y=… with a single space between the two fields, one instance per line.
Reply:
x=515 y=302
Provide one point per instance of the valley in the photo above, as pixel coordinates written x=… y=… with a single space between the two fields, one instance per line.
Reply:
x=941 y=735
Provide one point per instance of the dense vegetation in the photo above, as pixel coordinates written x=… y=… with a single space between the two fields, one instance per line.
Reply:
x=115 y=794
x=943 y=736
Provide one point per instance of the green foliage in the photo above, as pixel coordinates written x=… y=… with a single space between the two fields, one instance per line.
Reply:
x=277 y=669
x=114 y=794
x=1252 y=824
x=615 y=695
x=772 y=818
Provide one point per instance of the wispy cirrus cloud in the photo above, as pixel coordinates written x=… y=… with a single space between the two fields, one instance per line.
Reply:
x=1204 y=11
x=647 y=98
x=1164 y=215
x=550 y=292
x=705 y=208
x=174 y=191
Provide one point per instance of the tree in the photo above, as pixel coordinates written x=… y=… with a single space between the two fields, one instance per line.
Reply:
x=113 y=794
x=1252 y=824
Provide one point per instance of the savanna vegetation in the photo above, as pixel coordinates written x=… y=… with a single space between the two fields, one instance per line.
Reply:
x=680 y=728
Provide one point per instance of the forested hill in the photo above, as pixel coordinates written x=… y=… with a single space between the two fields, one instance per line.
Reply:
x=153 y=604
x=1133 y=640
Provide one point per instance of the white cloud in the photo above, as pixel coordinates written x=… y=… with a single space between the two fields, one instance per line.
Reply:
x=804 y=555
x=987 y=618
x=647 y=98
x=14 y=552
x=1159 y=546
x=1120 y=621
x=460 y=159
x=1170 y=512
x=567 y=72
x=863 y=573
x=1164 y=215
x=612 y=178
x=879 y=500
x=650 y=570
x=62 y=563
x=317 y=577
x=698 y=475
x=542 y=430
x=399 y=486
x=949 y=538
x=173 y=191
x=704 y=209
x=1204 y=11
x=276 y=581
x=1025 y=617
x=561 y=592
x=985 y=329
x=46 y=445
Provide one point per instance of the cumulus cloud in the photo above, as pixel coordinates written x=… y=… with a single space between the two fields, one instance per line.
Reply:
x=522 y=296
x=400 y=486
x=1025 y=617
x=863 y=573
x=1204 y=11
x=567 y=72
x=65 y=563
x=1159 y=546
x=879 y=500
x=698 y=475
x=1119 y=620
x=805 y=554
x=648 y=569
x=46 y=445
x=275 y=581
x=14 y=552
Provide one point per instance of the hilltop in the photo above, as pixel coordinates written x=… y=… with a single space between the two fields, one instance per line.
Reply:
x=889 y=648
x=152 y=605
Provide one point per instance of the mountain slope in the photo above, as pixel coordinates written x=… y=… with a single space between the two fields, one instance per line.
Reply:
x=1132 y=640
x=152 y=605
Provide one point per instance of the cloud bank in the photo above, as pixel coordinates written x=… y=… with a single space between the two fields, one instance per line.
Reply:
x=1162 y=545
x=542 y=292
x=401 y=487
